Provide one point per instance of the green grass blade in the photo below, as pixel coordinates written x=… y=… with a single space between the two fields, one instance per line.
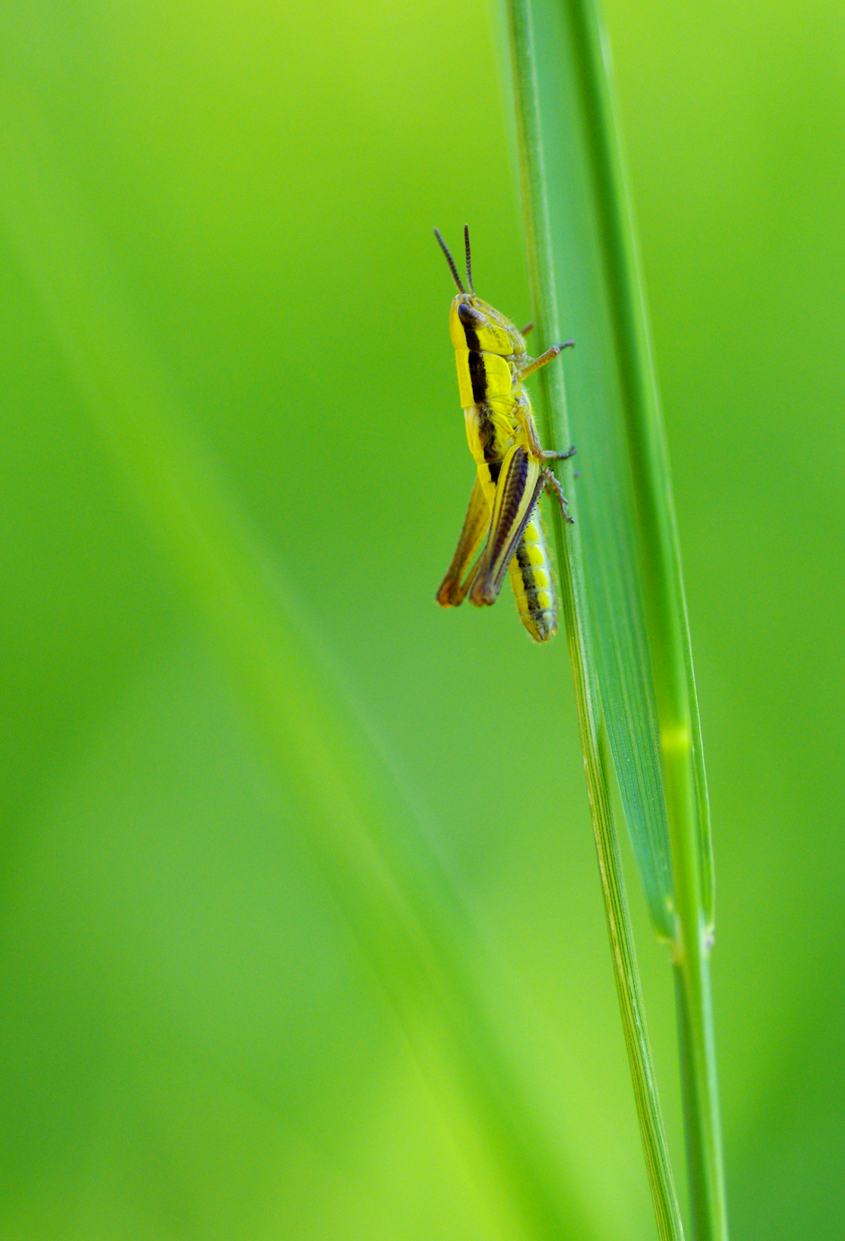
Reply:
x=659 y=561
x=589 y=667
x=620 y=565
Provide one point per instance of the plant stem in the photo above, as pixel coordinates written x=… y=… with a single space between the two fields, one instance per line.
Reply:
x=686 y=798
x=584 y=53
x=569 y=556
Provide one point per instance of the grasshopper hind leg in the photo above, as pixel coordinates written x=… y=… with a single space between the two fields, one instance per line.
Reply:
x=551 y=484
x=458 y=580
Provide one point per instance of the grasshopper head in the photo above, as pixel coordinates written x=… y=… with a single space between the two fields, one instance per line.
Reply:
x=473 y=325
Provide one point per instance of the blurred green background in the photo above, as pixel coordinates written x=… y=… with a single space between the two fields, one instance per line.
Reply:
x=225 y=351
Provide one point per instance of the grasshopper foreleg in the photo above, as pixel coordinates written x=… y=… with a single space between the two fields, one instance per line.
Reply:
x=544 y=359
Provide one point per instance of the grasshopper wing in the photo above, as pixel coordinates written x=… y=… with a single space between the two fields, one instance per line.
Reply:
x=476 y=524
x=517 y=491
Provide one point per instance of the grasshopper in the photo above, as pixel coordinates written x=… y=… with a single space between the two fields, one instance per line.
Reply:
x=512 y=465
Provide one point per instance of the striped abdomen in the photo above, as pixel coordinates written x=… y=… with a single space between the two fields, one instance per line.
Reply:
x=533 y=582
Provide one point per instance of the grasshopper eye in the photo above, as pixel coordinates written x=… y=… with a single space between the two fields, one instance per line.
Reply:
x=470 y=317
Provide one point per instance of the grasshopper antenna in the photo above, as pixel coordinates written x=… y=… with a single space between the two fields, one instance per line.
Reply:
x=469 y=259
x=452 y=268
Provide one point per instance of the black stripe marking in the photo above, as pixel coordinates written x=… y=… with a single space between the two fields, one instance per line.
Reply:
x=477 y=370
x=470 y=317
x=487 y=437
x=477 y=375
x=526 y=572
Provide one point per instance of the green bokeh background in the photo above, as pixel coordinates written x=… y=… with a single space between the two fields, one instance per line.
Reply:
x=232 y=204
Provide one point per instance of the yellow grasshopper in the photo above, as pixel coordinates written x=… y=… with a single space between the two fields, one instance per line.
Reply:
x=512 y=470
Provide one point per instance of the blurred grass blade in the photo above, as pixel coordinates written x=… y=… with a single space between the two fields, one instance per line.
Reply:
x=376 y=857
x=620 y=564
